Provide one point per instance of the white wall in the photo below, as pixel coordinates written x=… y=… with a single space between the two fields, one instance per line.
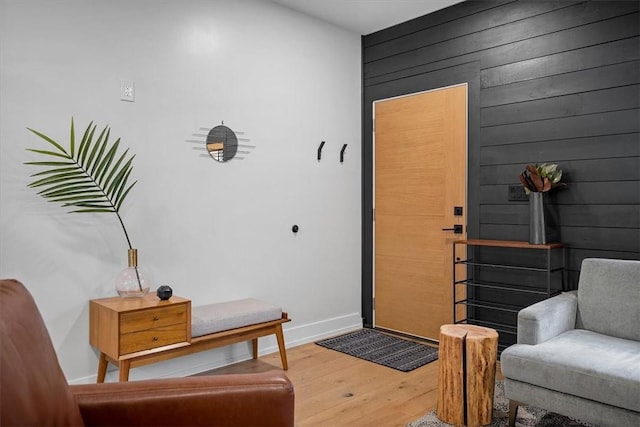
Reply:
x=212 y=231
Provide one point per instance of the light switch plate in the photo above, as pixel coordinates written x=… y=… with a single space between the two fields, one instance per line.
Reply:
x=517 y=194
x=127 y=90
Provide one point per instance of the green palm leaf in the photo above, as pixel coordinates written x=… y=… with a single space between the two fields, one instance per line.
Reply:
x=88 y=177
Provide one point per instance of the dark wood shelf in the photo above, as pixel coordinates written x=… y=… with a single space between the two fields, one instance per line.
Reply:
x=507 y=244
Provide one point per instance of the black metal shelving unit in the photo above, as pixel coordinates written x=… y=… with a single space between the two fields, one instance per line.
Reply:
x=465 y=282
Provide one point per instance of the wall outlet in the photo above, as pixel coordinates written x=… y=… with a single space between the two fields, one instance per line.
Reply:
x=127 y=90
x=517 y=194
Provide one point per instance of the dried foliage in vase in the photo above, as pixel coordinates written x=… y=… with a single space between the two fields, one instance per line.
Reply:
x=541 y=178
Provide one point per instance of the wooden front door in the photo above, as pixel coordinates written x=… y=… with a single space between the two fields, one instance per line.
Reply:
x=420 y=177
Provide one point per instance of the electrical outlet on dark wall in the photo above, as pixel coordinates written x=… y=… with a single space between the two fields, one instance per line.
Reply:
x=517 y=194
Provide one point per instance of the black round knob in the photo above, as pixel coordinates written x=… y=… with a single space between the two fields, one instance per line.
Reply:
x=295 y=228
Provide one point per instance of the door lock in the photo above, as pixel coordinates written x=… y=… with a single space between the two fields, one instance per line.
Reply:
x=457 y=229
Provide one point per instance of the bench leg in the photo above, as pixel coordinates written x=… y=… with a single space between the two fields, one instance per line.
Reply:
x=124 y=366
x=283 y=350
x=254 y=345
x=102 y=367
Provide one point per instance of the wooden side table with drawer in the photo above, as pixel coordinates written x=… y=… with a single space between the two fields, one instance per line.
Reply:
x=125 y=330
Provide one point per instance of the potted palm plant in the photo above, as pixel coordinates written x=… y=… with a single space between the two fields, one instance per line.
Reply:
x=90 y=177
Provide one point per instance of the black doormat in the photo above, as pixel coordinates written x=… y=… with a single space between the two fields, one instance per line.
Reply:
x=383 y=349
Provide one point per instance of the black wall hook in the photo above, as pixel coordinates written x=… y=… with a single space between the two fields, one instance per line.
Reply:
x=344 y=147
x=320 y=150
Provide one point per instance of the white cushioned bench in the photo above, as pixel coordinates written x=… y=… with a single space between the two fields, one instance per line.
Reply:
x=218 y=325
x=211 y=318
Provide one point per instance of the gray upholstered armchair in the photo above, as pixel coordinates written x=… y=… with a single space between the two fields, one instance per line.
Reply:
x=578 y=354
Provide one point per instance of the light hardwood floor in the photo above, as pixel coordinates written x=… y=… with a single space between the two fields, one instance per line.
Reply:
x=336 y=390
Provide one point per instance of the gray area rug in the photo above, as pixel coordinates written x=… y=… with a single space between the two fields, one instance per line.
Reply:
x=383 y=349
x=528 y=416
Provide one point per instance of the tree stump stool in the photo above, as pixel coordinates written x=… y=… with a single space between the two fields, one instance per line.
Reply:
x=467 y=355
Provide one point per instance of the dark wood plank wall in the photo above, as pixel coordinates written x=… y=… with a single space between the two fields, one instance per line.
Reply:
x=555 y=82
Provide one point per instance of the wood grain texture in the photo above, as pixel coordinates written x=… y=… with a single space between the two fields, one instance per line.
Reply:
x=467 y=356
x=602 y=77
x=559 y=83
x=420 y=176
x=482 y=350
x=121 y=328
x=451 y=377
x=152 y=318
x=509 y=244
x=334 y=389
x=560 y=63
x=111 y=318
x=137 y=332
x=153 y=337
x=565 y=16
x=556 y=42
x=208 y=342
x=590 y=102
x=481 y=20
x=434 y=19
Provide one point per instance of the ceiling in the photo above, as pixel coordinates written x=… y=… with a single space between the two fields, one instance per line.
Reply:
x=366 y=16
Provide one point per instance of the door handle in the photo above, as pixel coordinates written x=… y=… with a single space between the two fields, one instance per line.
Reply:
x=457 y=229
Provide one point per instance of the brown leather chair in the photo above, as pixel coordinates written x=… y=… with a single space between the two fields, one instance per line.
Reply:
x=34 y=391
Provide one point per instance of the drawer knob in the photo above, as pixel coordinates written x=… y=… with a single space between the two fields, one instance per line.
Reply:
x=155 y=339
x=155 y=318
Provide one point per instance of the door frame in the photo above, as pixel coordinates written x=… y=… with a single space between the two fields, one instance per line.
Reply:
x=468 y=72
x=373 y=179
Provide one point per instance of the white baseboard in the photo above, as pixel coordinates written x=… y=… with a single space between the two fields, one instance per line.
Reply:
x=294 y=335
